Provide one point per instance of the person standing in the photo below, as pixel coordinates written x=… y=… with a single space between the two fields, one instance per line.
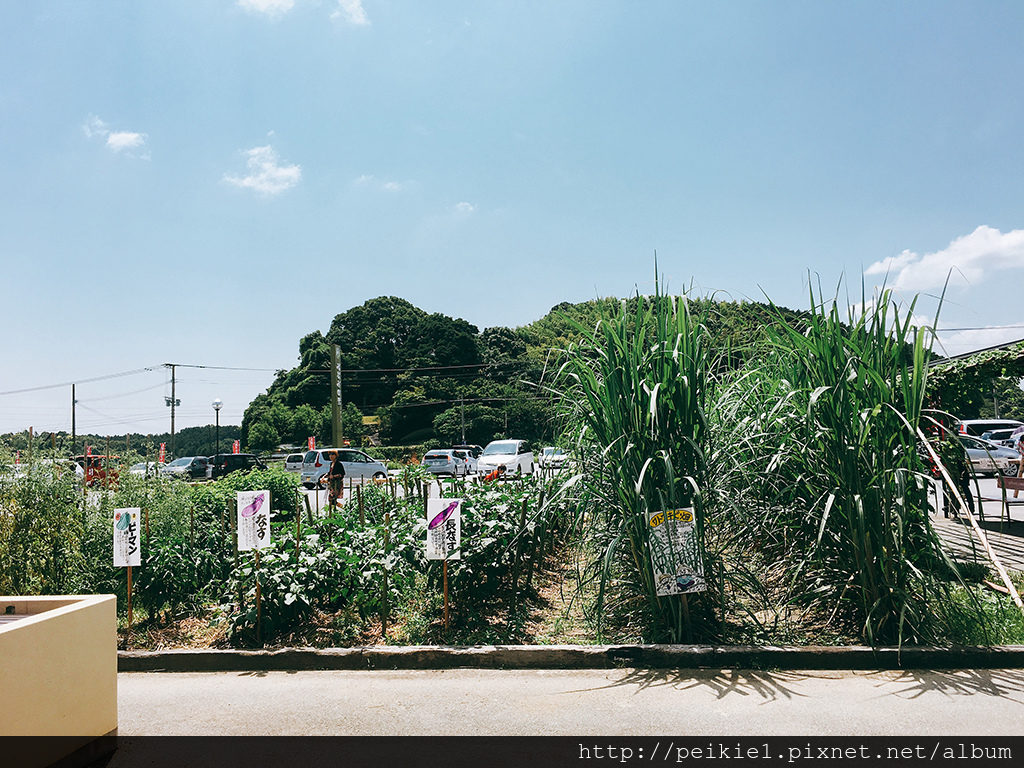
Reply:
x=335 y=479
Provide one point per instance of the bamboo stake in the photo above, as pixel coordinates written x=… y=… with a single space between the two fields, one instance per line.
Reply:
x=384 y=593
x=359 y=493
x=444 y=570
x=298 y=525
x=128 y=637
x=259 y=603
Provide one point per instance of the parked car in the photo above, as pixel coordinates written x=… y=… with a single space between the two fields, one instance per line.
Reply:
x=552 y=458
x=978 y=427
x=293 y=462
x=146 y=468
x=469 y=456
x=515 y=456
x=990 y=458
x=472 y=450
x=446 y=461
x=357 y=464
x=186 y=468
x=225 y=463
x=1000 y=436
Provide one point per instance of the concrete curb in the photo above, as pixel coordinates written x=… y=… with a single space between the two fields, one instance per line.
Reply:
x=574 y=657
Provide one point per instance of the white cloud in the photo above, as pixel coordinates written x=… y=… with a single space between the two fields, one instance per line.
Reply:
x=265 y=175
x=352 y=11
x=269 y=7
x=972 y=258
x=93 y=126
x=369 y=180
x=119 y=140
x=464 y=209
x=116 y=141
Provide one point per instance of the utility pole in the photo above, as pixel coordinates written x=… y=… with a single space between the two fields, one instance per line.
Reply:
x=462 y=407
x=72 y=421
x=171 y=401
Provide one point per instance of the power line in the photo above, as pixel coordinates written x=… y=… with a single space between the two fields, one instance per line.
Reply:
x=82 y=381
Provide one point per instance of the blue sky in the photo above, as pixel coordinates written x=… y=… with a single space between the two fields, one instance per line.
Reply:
x=206 y=181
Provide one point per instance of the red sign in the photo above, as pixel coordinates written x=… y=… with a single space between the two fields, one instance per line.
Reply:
x=88 y=450
x=311 y=442
x=163 y=452
x=236 y=447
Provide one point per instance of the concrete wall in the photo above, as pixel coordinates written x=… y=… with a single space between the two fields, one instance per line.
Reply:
x=58 y=666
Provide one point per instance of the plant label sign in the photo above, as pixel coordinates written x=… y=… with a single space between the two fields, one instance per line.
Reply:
x=675 y=552
x=444 y=529
x=127 y=547
x=253 y=520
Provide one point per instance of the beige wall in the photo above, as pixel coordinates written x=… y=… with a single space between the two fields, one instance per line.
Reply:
x=59 y=666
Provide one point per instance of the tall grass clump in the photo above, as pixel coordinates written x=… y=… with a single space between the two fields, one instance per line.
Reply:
x=633 y=394
x=827 y=464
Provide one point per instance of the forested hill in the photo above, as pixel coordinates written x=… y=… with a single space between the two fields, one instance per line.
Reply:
x=425 y=375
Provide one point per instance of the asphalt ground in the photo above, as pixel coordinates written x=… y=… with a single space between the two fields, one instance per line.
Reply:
x=620 y=702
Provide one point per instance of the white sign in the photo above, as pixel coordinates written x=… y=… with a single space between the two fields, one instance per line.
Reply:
x=675 y=552
x=127 y=544
x=253 y=520
x=444 y=529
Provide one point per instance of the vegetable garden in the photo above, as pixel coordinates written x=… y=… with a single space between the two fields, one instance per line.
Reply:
x=798 y=471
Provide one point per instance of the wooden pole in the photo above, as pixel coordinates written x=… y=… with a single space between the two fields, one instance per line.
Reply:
x=128 y=637
x=359 y=493
x=234 y=538
x=444 y=570
x=298 y=524
x=259 y=604
x=384 y=595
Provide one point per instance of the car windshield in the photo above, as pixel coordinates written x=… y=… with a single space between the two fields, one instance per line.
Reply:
x=140 y=465
x=183 y=462
x=500 y=449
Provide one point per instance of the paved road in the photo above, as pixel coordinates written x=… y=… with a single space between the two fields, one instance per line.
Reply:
x=468 y=702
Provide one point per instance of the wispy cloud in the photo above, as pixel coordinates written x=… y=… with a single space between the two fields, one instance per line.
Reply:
x=972 y=258
x=464 y=209
x=369 y=180
x=269 y=7
x=266 y=176
x=129 y=143
x=352 y=11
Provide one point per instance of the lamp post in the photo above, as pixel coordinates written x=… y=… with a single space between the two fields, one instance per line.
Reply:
x=216 y=407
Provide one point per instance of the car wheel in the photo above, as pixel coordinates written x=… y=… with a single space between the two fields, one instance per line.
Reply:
x=379 y=476
x=1009 y=471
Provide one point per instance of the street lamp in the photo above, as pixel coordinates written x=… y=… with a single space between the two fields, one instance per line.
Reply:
x=216 y=407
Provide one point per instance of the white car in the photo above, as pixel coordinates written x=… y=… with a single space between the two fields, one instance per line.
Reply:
x=553 y=458
x=293 y=462
x=357 y=466
x=515 y=456
x=146 y=468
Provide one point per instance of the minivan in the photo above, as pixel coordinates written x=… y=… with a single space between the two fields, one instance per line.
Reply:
x=357 y=466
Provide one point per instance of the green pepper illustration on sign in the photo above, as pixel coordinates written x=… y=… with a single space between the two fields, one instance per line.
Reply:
x=675 y=552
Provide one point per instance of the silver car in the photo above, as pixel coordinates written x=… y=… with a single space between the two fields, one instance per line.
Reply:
x=989 y=458
x=446 y=461
x=357 y=466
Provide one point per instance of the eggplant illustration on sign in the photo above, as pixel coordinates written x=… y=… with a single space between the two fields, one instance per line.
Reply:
x=445 y=514
x=253 y=507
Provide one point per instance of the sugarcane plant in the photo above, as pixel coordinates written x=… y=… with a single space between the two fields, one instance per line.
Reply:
x=633 y=392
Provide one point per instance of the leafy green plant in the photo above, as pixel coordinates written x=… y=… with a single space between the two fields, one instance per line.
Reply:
x=634 y=392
